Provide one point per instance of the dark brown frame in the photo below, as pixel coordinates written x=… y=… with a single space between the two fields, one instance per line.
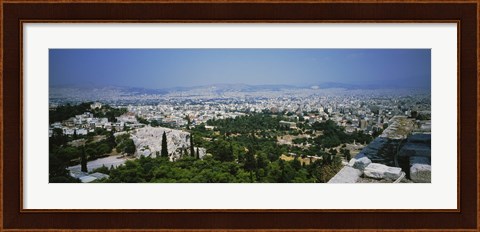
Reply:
x=15 y=13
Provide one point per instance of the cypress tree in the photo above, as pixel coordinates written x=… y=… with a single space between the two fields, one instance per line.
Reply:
x=188 y=124
x=231 y=156
x=192 y=149
x=111 y=140
x=250 y=163
x=296 y=164
x=198 y=154
x=83 y=161
x=164 y=152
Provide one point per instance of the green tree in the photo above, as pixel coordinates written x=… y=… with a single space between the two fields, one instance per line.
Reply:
x=333 y=151
x=188 y=124
x=154 y=123
x=192 y=149
x=346 y=154
x=83 y=161
x=377 y=132
x=102 y=169
x=287 y=172
x=164 y=151
x=111 y=139
x=250 y=163
x=142 y=120
x=58 y=138
x=129 y=147
x=413 y=114
x=58 y=172
x=296 y=164
x=222 y=151
x=103 y=148
x=262 y=160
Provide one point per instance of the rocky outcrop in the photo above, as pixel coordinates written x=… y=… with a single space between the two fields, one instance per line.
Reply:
x=381 y=171
x=400 y=127
x=382 y=150
x=377 y=173
x=396 y=153
x=417 y=145
x=420 y=169
x=415 y=156
x=346 y=175
x=148 y=141
x=360 y=162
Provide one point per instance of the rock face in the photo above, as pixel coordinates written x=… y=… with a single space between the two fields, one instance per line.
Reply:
x=201 y=152
x=380 y=171
x=346 y=175
x=382 y=150
x=360 y=162
x=413 y=149
x=400 y=127
x=148 y=141
x=417 y=145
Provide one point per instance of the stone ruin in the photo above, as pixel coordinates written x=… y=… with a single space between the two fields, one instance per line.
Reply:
x=415 y=156
x=362 y=167
x=398 y=155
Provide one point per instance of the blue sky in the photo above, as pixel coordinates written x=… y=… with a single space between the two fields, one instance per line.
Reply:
x=165 y=68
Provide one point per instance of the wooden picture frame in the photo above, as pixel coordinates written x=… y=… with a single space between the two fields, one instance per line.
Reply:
x=16 y=12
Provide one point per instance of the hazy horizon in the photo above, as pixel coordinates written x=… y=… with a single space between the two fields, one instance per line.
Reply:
x=170 y=68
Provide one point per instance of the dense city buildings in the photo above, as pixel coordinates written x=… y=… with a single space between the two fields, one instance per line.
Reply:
x=364 y=109
x=372 y=112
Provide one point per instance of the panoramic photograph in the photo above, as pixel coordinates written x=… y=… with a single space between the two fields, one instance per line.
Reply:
x=239 y=115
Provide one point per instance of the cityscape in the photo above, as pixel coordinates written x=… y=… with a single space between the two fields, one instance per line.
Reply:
x=239 y=116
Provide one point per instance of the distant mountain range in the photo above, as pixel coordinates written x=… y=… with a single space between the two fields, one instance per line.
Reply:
x=235 y=88
x=221 y=88
x=380 y=85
